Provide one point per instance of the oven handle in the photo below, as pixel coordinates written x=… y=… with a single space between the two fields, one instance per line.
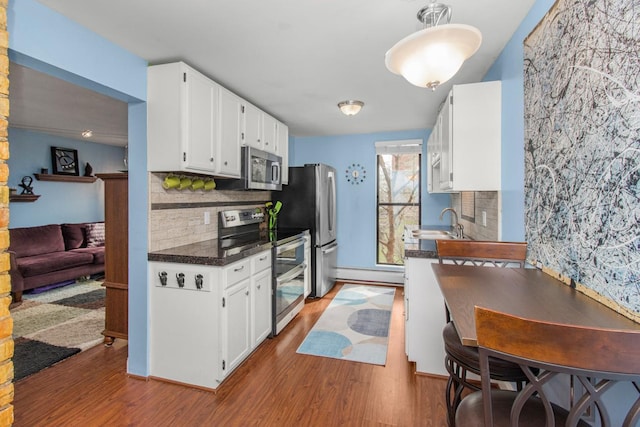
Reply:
x=294 y=272
x=291 y=245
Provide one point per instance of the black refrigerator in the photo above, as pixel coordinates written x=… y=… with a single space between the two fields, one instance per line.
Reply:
x=309 y=201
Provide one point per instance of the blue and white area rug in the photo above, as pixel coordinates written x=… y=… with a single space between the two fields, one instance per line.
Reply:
x=355 y=326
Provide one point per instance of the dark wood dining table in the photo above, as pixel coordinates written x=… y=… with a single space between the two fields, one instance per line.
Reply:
x=529 y=293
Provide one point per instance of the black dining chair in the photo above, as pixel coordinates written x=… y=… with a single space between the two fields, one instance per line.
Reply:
x=461 y=359
x=597 y=359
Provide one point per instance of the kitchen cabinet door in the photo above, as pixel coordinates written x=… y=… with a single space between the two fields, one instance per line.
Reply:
x=236 y=328
x=252 y=135
x=424 y=317
x=433 y=158
x=260 y=307
x=201 y=132
x=230 y=130
x=446 y=145
x=466 y=149
x=269 y=134
x=283 y=149
x=182 y=119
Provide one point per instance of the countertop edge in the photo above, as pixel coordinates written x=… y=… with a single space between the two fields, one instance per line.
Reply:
x=205 y=260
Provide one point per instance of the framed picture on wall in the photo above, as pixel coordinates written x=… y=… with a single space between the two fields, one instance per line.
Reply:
x=64 y=161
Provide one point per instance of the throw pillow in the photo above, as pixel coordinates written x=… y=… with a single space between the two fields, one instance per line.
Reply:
x=95 y=234
x=74 y=236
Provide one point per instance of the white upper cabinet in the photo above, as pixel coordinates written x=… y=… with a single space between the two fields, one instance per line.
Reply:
x=282 y=132
x=260 y=129
x=269 y=134
x=230 y=133
x=195 y=125
x=182 y=119
x=465 y=144
x=252 y=135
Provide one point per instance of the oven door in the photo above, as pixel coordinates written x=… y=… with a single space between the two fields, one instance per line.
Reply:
x=289 y=274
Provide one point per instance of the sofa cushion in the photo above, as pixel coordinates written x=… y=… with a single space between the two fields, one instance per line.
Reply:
x=74 y=235
x=29 y=241
x=46 y=263
x=95 y=234
x=97 y=253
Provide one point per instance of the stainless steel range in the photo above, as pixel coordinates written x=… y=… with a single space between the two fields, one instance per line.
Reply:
x=240 y=230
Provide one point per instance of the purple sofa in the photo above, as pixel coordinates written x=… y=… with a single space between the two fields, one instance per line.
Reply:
x=54 y=253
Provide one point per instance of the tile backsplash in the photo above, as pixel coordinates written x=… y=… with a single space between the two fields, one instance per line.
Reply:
x=176 y=218
x=484 y=201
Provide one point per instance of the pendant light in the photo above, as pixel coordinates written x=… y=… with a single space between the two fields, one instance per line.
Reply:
x=430 y=57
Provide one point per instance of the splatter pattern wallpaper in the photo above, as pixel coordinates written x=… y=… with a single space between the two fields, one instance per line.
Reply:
x=582 y=146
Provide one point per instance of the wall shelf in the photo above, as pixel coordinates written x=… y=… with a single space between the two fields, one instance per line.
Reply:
x=23 y=197
x=64 y=178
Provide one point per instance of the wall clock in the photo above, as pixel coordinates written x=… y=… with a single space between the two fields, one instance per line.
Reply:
x=355 y=173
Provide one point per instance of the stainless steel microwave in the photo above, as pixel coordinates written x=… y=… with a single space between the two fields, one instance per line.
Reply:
x=259 y=171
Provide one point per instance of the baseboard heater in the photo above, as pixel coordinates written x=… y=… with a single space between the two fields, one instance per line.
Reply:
x=386 y=276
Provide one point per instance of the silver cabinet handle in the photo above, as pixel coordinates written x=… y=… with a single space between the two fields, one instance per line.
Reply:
x=263 y=258
x=238 y=269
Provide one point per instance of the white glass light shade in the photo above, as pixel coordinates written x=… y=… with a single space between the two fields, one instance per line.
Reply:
x=430 y=57
x=350 y=108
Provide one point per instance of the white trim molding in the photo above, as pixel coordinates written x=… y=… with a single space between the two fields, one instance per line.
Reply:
x=386 y=276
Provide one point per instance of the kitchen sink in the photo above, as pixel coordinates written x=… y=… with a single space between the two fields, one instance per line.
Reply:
x=432 y=234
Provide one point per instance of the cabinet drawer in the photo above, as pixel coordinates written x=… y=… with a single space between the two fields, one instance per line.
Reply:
x=261 y=261
x=236 y=272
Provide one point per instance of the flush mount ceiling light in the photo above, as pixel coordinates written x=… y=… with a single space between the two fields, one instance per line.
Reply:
x=431 y=56
x=87 y=133
x=350 y=107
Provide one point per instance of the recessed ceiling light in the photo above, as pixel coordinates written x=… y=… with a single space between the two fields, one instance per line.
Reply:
x=87 y=133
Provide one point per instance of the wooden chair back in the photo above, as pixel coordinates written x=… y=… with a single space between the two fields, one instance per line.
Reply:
x=482 y=252
x=597 y=358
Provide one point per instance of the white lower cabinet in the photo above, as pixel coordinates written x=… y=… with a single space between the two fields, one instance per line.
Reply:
x=260 y=307
x=206 y=320
x=424 y=313
x=236 y=328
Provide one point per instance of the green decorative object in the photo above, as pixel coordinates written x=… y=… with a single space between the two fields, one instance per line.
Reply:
x=273 y=210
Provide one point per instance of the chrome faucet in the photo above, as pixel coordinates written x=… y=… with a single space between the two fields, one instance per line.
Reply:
x=459 y=228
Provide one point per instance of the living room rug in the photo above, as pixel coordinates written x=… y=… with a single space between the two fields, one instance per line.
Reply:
x=355 y=326
x=51 y=326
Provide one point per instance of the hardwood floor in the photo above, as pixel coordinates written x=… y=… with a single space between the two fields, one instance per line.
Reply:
x=274 y=387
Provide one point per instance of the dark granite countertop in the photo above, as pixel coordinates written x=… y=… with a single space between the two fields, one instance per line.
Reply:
x=205 y=253
x=210 y=252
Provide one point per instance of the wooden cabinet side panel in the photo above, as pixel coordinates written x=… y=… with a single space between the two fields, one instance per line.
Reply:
x=116 y=211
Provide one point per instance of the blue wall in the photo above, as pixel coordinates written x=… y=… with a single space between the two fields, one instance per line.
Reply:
x=48 y=42
x=357 y=203
x=509 y=67
x=59 y=201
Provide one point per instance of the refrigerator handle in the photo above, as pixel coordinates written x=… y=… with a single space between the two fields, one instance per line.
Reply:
x=332 y=247
x=332 y=200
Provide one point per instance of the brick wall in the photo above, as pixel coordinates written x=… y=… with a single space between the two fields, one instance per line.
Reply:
x=6 y=322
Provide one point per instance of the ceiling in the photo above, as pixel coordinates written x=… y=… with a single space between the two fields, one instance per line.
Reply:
x=47 y=104
x=294 y=59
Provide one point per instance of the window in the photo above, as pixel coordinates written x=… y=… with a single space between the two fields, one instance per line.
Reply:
x=398 y=181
